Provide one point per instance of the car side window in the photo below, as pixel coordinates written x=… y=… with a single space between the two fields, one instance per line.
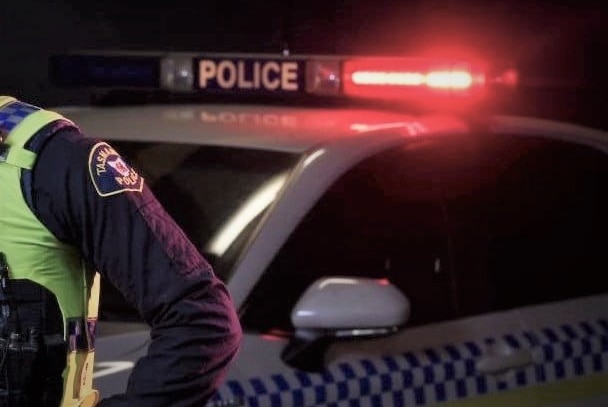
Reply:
x=463 y=226
x=527 y=219
x=382 y=219
x=549 y=226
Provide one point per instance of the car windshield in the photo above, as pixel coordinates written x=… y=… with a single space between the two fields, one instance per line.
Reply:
x=216 y=194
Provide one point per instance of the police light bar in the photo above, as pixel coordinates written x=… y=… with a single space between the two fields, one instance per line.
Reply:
x=368 y=77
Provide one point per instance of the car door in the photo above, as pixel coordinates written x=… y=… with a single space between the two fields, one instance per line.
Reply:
x=452 y=223
x=541 y=210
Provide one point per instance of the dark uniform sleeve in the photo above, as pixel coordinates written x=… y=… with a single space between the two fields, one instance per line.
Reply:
x=129 y=238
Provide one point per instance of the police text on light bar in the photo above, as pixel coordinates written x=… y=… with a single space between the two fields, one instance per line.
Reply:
x=247 y=74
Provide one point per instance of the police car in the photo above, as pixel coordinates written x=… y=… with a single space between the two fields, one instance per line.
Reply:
x=411 y=251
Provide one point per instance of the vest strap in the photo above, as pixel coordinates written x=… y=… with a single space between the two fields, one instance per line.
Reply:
x=4 y=100
x=18 y=122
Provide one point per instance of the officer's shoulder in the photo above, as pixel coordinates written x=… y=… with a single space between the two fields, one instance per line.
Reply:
x=70 y=139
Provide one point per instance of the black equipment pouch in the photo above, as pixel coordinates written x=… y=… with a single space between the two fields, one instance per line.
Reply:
x=32 y=346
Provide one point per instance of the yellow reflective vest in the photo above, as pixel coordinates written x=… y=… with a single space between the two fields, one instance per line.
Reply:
x=34 y=254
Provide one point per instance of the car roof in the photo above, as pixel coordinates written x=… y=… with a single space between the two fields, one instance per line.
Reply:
x=281 y=128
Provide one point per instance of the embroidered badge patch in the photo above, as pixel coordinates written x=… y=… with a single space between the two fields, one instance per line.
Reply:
x=110 y=174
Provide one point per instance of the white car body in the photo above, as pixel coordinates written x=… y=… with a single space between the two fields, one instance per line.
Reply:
x=552 y=353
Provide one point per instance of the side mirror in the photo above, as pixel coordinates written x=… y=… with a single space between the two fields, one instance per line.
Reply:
x=342 y=308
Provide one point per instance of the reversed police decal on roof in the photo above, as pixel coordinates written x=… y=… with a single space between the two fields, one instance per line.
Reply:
x=110 y=174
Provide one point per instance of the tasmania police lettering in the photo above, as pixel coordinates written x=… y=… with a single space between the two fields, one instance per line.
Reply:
x=249 y=75
x=110 y=174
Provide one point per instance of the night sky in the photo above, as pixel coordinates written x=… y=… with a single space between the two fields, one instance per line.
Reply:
x=552 y=43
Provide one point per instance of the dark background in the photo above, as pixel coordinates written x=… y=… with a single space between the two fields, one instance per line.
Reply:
x=559 y=47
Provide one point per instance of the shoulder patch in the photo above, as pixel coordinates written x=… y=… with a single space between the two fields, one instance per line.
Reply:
x=109 y=172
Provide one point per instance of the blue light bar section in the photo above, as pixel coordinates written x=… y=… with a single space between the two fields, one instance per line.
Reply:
x=105 y=71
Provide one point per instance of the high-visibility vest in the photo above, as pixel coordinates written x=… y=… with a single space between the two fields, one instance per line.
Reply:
x=34 y=254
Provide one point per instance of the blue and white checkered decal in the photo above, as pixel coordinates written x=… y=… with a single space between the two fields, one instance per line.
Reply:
x=13 y=113
x=429 y=376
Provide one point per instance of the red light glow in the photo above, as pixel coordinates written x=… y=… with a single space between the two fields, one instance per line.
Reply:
x=274 y=335
x=449 y=80
x=437 y=79
x=410 y=77
x=388 y=78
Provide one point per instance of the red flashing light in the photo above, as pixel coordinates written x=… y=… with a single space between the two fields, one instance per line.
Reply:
x=410 y=77
x=435 y=79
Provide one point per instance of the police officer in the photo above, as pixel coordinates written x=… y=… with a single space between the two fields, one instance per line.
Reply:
x=70 y=208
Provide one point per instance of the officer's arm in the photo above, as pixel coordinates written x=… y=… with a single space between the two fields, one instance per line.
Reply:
x=128 y=237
